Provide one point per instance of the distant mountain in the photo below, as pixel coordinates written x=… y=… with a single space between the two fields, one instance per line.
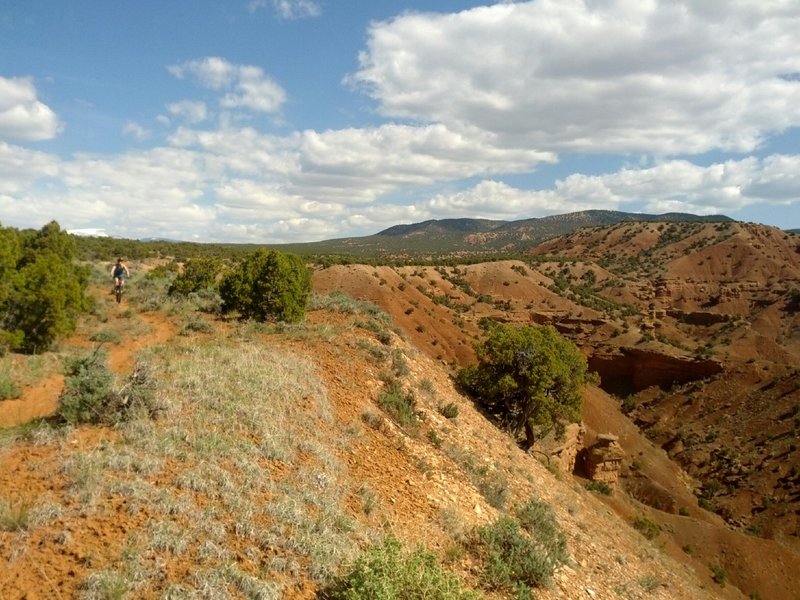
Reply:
x=444 y=225
x=478 y=236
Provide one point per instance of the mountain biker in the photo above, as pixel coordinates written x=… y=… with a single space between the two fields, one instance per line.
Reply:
x=119 y=273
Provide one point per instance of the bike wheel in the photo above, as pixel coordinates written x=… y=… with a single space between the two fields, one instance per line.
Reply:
x=118 y=293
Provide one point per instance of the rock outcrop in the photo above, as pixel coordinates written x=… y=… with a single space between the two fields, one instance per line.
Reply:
x=603 y=460
x=634 y=369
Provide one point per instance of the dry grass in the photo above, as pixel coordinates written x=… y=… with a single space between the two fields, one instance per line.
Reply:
x=248 y=478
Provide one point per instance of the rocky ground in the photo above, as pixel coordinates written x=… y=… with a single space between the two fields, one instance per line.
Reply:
x=176 y=505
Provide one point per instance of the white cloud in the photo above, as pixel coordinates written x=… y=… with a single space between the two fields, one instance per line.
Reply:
x=255 y=91
x=363 y=164
x=193 y=111
x=289 y=9
x=238 y=185
x=679 y=186
x=473 y=97
x=135 y=131
x=22 y=115
x=20 y=168
x=212 y=72
x=618 y=76
x=245 y=86
x=90 y=231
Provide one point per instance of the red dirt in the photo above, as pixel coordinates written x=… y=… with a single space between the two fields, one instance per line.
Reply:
x=415 y=481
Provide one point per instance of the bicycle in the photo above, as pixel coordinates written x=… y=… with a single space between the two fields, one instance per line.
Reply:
x=119 y=289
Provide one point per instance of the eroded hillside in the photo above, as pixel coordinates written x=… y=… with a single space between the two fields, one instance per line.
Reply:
x=266 y=462
x=695 y=329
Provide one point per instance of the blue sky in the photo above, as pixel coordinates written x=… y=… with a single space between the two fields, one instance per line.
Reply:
x=299 y=120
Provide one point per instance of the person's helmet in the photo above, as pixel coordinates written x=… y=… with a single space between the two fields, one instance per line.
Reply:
x=120 y=259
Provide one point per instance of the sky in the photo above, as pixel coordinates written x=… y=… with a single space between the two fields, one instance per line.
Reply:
x=275 y=121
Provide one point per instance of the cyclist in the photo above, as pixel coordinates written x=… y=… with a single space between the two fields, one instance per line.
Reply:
x=119 y=273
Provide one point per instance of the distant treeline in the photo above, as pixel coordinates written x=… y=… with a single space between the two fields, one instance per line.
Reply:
x=106 y=248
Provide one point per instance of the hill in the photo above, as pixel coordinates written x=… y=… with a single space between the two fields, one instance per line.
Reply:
x=438 y=239
x=692 y=326
x=269 y=463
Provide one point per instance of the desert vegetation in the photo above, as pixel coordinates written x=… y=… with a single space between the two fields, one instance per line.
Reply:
x=227 y=431
x=530 y=377
x=42 y=289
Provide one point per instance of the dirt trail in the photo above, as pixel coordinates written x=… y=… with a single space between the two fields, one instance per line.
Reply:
x=41 y=399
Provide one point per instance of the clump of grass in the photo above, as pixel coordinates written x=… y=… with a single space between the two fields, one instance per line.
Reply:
x=376 y=353
x=449 y=410
x=539 y=520
x=399 y=363
x=649 y=582
x=8 y=389
x=106 y=585
x=87 y=390
x=494 y=488
x=89 y=396
x=452 y=522
x=718 y=574
x=219 y=582
x=15 y=516
x=426 y=385
x=647 y=527
x=599 y=487
x=373 y=420
x=196 y=325
x=512 y=561
x=341 y=302
x=385 y=572
x=369 y=499
x=434 y=438
x=400 y=404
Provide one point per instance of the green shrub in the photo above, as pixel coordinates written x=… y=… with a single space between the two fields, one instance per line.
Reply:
x=719 y=574
x=647 y=527
x=493 y=486
x=15 y=516
x=529 y=377
x=599 y=487
x=42 y=290
x=87 y=389
x=449 y=410
x=400 y=405
x=8 y=389
x=198 y=274
x=165 y=271
x=539 y=520
x=511 y=559
x=89 y=396
x=385 y=572
x=267 y=285
x=793 y=300
x=196 y=325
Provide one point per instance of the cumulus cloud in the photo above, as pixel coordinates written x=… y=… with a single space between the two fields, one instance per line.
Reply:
x=136 y=131
x=192 y=111
x=22 y=116
x=20 y=167
x=619 y=76
x=244 y=86
x=672 y=186
x=470 y=99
